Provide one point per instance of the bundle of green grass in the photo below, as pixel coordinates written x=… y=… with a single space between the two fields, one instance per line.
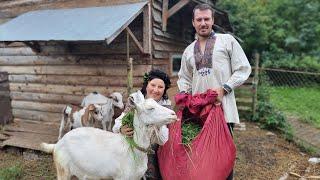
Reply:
x=189 y=131
x=128 y=119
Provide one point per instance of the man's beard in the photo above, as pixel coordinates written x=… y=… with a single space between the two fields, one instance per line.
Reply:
x=204 y=35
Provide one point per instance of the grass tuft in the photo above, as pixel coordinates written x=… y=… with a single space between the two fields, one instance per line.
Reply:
x=11 y=173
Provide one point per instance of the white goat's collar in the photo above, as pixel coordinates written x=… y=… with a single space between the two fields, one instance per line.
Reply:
x=148 y=150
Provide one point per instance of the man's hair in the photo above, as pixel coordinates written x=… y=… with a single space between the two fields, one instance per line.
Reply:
x=156 y=73
x=202 y=7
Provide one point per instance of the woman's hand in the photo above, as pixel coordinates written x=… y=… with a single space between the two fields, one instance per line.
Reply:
x=125 y=130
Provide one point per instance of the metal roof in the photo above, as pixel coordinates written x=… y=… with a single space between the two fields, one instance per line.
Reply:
x=80 y=24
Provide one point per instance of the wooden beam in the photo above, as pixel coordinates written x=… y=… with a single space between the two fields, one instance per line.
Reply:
x=125 y=26
x=135 y=40
x=255 y=83
x=168 y=13
x=147 y=29
x=34 y=46
x=177 y=7
x=165 y=14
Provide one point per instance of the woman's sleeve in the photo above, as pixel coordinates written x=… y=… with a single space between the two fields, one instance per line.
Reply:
x=118 y=123
x=163 y=135
x=118 y=120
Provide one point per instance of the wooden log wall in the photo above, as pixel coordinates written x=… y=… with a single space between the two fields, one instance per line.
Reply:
x=42 y=83
x=5 y=105
x=166 y=43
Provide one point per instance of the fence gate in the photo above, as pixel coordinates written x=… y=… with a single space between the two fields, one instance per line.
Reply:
x=5 y=103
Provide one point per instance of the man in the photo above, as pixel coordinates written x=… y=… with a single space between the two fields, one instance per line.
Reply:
x=213 y=61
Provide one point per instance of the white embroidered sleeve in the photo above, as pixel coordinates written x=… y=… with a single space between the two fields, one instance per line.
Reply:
x=118 y=123
x=185 y=74
x=163 y=135
x=240 y=66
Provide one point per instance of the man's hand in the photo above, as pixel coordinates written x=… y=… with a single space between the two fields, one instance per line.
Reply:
x=220 y=92
x=125 y=130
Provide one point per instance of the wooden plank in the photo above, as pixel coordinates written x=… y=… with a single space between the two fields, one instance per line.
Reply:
x=165 y=14
x=37 y=115
x=170 y=41
x=244 y=108
x=3 y=137
x=135 y=40
x=161 y=46
x=3 y=77
x=120 y=70
x=70 y=48
x=37 y=106
x=156 y=16
x=13 y=8
x=177 y=7
x=157 y=5
x=147 y=33
x=243 y=99
x=15 y=3
x=63 y=89
x=4 y=86
x=75 y=80
x=11 y=44
x=159 y=32
x=28 y=140
x=46 y=98
x=4 y=94
x=26 y=51
x=255 y=82
x=65 y=60
x=20 y=125
x=160 y=54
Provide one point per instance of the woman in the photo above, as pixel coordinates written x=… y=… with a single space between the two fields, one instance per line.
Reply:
x=155 y=86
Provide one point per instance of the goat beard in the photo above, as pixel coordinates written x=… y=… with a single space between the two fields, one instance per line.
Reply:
x=155 y=134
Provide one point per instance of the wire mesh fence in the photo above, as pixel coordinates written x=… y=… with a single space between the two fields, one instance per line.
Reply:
x=282 y=77
x=295 y=93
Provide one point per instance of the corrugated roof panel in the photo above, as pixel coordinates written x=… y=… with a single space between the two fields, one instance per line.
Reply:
x=80 y=24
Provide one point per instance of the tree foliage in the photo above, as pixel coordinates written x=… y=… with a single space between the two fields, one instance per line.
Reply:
x=280 y=30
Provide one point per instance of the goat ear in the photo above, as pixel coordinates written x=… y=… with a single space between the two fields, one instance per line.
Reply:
x=91 y=107
x=112 y=97
x=131 y=101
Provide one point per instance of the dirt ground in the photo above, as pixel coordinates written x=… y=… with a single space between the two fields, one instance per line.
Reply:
x=260 y=155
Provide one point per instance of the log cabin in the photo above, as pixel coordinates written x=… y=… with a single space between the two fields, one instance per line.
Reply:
x=54 y=52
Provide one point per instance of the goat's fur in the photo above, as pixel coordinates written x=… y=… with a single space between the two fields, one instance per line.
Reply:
x=74 y=117
x=91 y=153
x=108 y=104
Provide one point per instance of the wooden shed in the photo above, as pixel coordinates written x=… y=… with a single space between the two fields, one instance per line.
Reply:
x=56 y=52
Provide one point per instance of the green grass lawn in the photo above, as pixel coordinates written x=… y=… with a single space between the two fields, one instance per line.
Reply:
x=301 y=102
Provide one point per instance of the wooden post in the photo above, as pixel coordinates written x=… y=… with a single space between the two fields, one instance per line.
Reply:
x=129 y=67
x=255 y=83
x=147 y=29
x=5 y=102
x=164 y=14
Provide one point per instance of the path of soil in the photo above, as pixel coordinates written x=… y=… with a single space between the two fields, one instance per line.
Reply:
x=260 y=155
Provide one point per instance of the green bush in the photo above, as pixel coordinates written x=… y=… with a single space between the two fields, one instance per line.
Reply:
x=11 y=173
x=267 y=115
x=290 y=62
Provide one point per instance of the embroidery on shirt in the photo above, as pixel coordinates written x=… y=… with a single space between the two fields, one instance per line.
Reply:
x=204 y=61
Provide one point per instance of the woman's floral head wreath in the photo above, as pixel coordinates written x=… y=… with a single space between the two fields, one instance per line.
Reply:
x=146 y=77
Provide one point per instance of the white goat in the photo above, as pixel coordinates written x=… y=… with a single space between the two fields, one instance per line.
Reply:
x=74 y=117
x=108 y=104
x=91 y=153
